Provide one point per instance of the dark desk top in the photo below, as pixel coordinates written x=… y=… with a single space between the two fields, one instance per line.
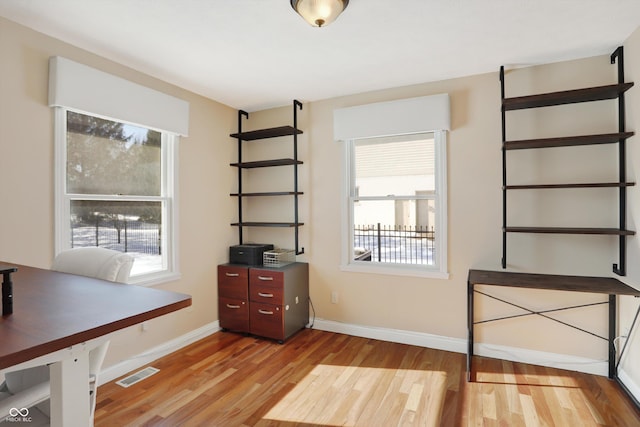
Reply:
x=600 y=285
x=53 y=311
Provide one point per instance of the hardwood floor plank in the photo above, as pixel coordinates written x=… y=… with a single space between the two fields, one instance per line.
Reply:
x=325 y=379
x=530 y=413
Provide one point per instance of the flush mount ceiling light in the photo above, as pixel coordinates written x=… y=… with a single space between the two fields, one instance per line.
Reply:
x=319 y=13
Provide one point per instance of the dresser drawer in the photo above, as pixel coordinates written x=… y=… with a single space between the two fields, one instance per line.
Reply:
x=266 y=320
x=233 y=282
x=266 y=277
x=234 y=314
x=259 y=292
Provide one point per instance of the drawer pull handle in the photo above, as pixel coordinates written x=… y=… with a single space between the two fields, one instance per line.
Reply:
x=261 y=294
x=233 y=306
x=265 y=312
x=268 y=278
x=232 y=274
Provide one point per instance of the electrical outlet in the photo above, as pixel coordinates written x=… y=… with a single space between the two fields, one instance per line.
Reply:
x=334 y=297
x=144 y=326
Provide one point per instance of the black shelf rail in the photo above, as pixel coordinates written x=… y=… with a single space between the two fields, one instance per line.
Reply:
x=620 y=268
x=615 y=91
x=261 y=134
x=296 y=105
x=241 y=113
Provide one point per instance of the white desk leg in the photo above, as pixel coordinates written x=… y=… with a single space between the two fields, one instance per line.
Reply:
x=70 y=391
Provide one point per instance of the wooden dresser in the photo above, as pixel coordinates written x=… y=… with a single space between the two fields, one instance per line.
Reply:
x=270 y=302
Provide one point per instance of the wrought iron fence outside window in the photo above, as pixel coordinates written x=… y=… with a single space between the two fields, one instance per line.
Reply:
x=131 y=236
x=402 y=244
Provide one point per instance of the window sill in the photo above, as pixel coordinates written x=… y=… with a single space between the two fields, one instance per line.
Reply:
x=154 y=279
x=366 y=267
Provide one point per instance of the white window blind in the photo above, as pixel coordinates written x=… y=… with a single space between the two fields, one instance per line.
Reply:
x=82 y=88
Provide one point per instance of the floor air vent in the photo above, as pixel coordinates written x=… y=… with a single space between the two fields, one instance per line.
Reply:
x=137 y=377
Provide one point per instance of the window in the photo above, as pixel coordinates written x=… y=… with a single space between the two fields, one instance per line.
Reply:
x=115 y=182
x=395 y=190
x=116 y=191
x=396 y=204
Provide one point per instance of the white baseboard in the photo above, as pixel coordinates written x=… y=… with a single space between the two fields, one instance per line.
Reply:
x=457 y=345
x=543 y=358
x=126 y=366
x=421 y=339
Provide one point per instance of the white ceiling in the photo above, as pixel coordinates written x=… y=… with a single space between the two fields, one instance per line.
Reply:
x=256 y=54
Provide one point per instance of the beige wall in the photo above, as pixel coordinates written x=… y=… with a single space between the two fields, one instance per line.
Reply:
x=437 y=306
x=415 y=304
x=27 y=171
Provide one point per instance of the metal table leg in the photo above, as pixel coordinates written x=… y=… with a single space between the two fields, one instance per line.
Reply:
x=469 y=328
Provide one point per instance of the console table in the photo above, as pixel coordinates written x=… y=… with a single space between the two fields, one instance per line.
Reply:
x=57 y=318
x=597 y=285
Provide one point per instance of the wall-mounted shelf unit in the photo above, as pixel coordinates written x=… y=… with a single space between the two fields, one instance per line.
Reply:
x=609 y=92
x=258 y=135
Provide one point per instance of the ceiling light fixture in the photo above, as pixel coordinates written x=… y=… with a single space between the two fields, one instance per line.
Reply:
x=319 y=13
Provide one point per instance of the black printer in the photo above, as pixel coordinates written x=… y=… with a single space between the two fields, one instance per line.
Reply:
x=248 y=253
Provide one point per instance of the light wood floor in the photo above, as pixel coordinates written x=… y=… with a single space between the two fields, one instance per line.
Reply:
x=325 y=379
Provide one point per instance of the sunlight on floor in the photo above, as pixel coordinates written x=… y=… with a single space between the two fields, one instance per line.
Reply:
x=528 y=397
x=351 y=395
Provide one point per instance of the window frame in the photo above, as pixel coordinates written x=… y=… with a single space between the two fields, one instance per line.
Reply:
x=168 y=197
x=439 y=270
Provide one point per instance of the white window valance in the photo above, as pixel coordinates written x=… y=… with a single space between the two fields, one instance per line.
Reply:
x=405 y=116
x=85 y=89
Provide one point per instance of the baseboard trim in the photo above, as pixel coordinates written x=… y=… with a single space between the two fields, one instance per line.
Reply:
x=421 y=339
x=400 y=336
x=135 y=362
x=543 y=358
x=457 y=345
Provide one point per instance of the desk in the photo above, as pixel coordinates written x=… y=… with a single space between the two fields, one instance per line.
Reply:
x=599 y=285
x=58 y=317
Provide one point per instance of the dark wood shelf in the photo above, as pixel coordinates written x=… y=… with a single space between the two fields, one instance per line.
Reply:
x=584 y=185
x=267 y=224
x=568 y=141
x=266 y=163
x=269 y=193
x=566 y=97
x=570 y=230
x=601 y=285
x=266 y=133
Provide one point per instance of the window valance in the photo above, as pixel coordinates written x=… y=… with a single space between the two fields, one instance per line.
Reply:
x=85 y=89
x=405 y=116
